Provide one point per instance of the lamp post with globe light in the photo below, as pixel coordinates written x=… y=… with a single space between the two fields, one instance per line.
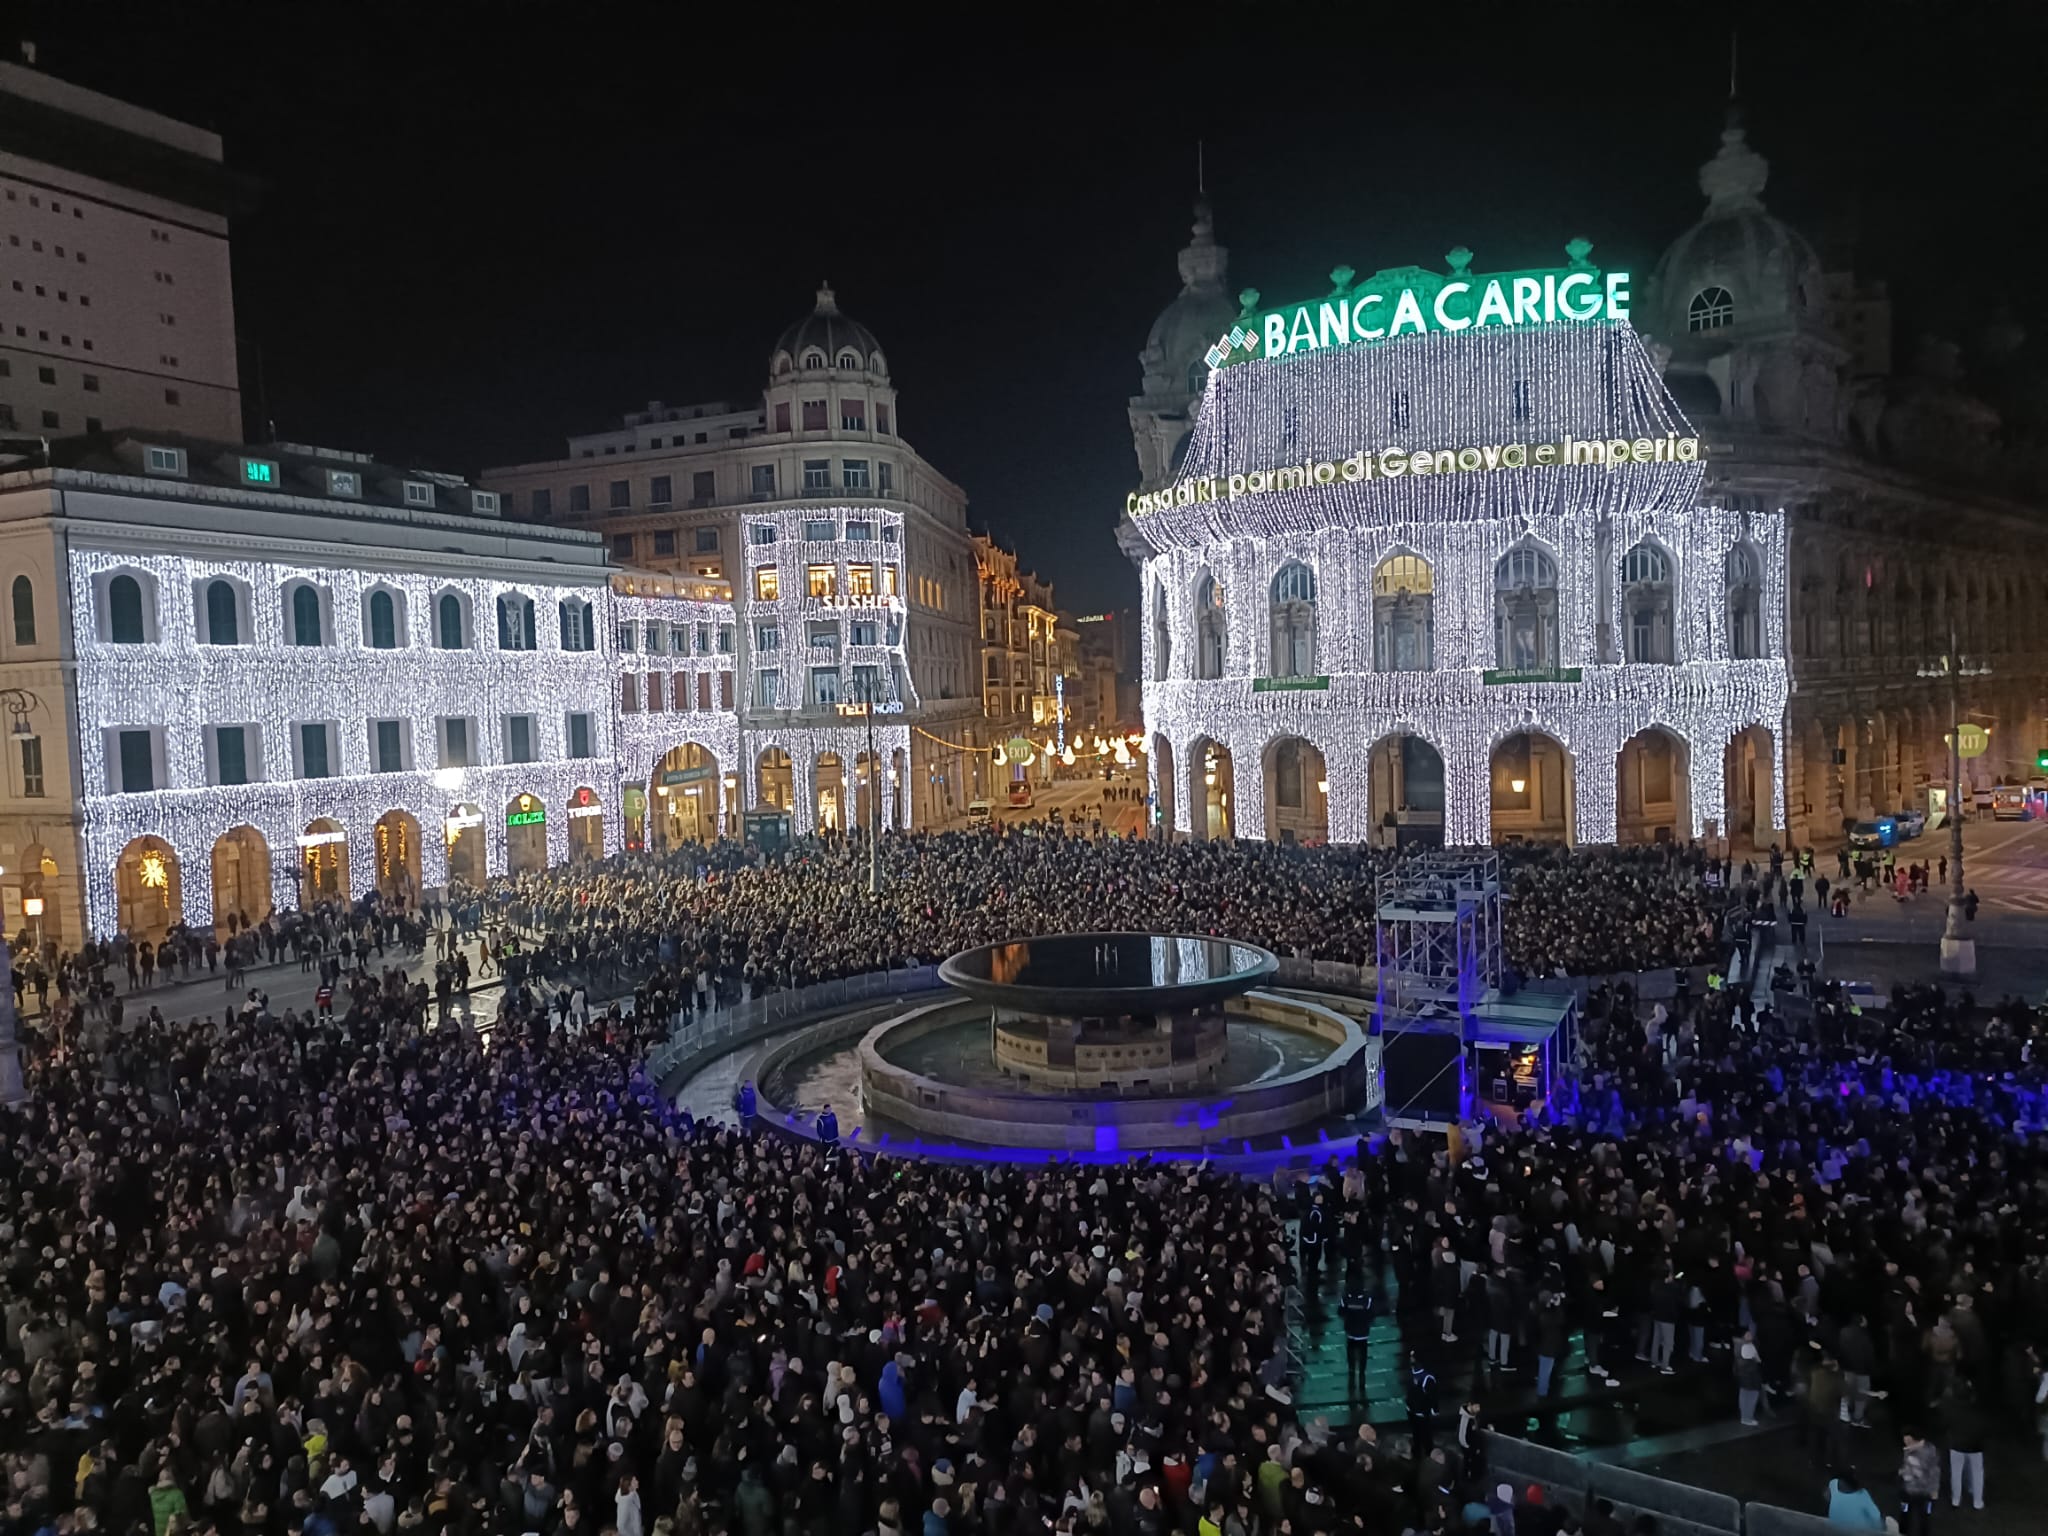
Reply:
x=1958 y=950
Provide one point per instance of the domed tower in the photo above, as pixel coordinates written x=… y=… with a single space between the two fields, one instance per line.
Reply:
x=1175 y=373
x=828 y=377
x=1742 y=302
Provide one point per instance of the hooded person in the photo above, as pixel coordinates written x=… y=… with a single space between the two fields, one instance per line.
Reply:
x=891 y=1393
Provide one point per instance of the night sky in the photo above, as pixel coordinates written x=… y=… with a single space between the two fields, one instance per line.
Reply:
x=474 y=230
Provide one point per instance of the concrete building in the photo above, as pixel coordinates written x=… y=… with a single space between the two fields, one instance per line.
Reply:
x=686 y=491
x=241 y=678
x=116 y=308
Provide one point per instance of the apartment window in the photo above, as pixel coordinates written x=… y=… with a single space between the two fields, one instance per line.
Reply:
x=449 y=623
x=383 y=621
x=542 y=503
x=768 y=690
x=889 y=581
x=387 y=746
x=515 y=623
x=519 y=738
x=578 y=625
x=654 y=693
x=665 y=541
x=782 y=416
x=823 y=580
x=31 y=767
x=622 y=546
x=855 y=474
x=703 y=639
x=814 y=415
x=764 y=476
x=629 y=693
x=824 y=686
x=860 y=581
x=627 y=633
x=678 y=640
x=853 y=415
x=418 y=494
x=861 y=632
x=761 y=533
x=704 y=487
x=313 y=757
x=725 y=689
x=138 y=761
x=725 y=639
x=867 y=685
x=579 y=498
x=45 y=375
x=659 y=489
x=817 y=474
x=767 y=583
x=92 y=383
x=885 y=477
x=124 y=610
x=860 y=533
x=824 y=636
x=654 y=633
x=707 y=541
x=767 y=637
x=53 y=421
x=888 y=529
x=881 y=418
x=455 y=744
x=821 y=531
x=579 y=735
x=621 y=495
x=306 y=626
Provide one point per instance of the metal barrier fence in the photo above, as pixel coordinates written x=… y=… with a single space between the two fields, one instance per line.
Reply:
x=730 y=1027
x=1680 y=1508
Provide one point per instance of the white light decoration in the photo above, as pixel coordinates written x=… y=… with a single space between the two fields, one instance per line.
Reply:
x=646 y=736
x=1592 y=382
x=178 y=687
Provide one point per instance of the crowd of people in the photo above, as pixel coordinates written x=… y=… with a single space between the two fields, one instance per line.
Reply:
x=350 y=1270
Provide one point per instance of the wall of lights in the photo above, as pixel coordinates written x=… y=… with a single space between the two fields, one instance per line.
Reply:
x=179 y=688
x=1446 y=391
x=646 y=736
x=794 y=610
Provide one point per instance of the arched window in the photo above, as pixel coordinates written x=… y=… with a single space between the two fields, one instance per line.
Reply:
x=448 y=623
x=515 y=622
x=1646 y=605
x=124 y=611
x=1294 y=621
x=576 y=627
x=850 y=361
x=223 y=622
x=1198 y=376
x=1525 y=610
x=814 y=360
x=1745 y=604
x=1162 y=636
x=24 y=611
x=305 y=615
x=1403 y=615
x=1212 y=629
x=1710 y=309
x=383 y=621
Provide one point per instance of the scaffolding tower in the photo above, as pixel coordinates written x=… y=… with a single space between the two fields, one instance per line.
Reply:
x=1437 y=929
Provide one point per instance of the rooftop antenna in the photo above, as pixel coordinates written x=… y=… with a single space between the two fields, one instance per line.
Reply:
x=1734 y=44
x=1201 y=171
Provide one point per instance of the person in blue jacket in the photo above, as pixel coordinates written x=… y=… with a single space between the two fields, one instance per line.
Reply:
x=828 y=1127
x=1850 y=1504
x=894 y=1400
x=745 y=1102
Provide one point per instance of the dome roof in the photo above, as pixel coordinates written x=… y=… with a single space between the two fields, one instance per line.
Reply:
x=1199 y=313
x=825 y=330
x=1740 y=263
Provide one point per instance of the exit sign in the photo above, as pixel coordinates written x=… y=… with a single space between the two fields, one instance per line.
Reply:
x=259 y=472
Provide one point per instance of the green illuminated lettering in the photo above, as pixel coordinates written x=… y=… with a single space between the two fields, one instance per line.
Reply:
x=1407 y=312
x=1549 y=298
x=1528 y=301
x=1336 y=319
x=1276 y=335
x=1493 y=306
x=1444 y=318
x=1358 y=325
x=1617 y=295
x=1564 y=297
x=1302 y=334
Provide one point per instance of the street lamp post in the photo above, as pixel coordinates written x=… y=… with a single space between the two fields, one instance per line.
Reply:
x=1958 y=950
x=21 y=703
x=874 y=784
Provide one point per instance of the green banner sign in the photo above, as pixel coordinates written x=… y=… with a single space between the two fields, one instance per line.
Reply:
x=1496 y=679
x=1290 y=684
x=687 y=775
x=533 y=818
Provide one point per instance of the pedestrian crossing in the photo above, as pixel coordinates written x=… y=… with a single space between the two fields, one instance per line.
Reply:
x=2011 y=888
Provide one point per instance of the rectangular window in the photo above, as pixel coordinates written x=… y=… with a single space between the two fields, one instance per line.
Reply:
x=32 y=767
x=519 y=735
x=678 y=640
x=654 y=634
x=313 y=761
x=821 y=530
x=418 y=494
x=823 y=580
x=824 y=636
x=92 y=383
x=885 y=476
x=579 y=735
x=853 y=415
x=455 y=751
x=767 y=637
x=888 y=531
x=659 y=490
x=626 y=633
x=782 y=416
x=665 y=541
x=817 y=475
x=889 y=581
x=867 y=685
x=387 y=747
x=861 y=632
x=855 y=472
x=629 y=694
x=814 y=415
x=860 y=581
x=764 y=480
x=860 y=533
x=767 y=583
x=761 y=533
x=703 y=488
x=654 y=693
x=622 y=546
x=725 y=639
x=138 y=762
x=621 y=495
x=166 y=461
x=707 y=541
x=725 y=689
x=824 y=685
x=768 y=690
x=579 y=498
x=881 y=418
x=543 y=503
x=679 y=697
x=703 y=640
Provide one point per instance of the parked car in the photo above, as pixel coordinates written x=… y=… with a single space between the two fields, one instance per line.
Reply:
x=1911 y=823
x=1881 y=832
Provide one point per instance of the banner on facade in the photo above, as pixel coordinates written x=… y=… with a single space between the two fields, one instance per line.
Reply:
x=1290 y=684
x=1496 y=679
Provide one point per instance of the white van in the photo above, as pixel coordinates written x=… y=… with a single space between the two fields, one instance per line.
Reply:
x=980 y=814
